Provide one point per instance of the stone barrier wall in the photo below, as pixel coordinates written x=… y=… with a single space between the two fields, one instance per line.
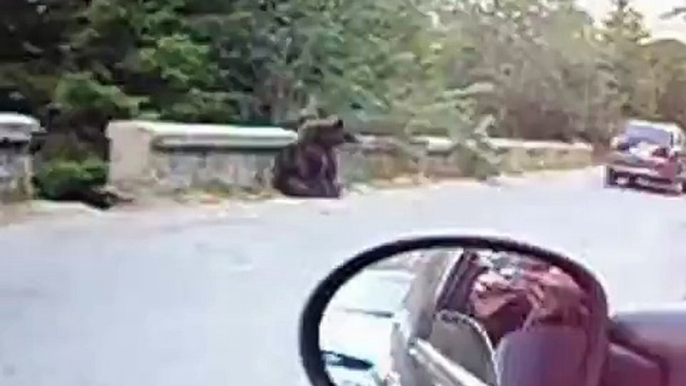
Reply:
x=16 y=167
x=169 y=156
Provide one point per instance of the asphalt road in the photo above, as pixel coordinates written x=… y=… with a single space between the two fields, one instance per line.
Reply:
x=212 y=297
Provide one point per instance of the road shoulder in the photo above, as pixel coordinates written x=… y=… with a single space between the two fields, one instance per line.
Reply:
x=42 y=211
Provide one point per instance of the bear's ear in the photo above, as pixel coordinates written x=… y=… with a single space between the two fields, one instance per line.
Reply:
x=335 y=122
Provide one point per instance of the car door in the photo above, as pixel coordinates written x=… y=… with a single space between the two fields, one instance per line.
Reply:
x=421 y=321
x=414 y=320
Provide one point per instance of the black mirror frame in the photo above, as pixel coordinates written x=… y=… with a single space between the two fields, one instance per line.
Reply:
x=313 y=312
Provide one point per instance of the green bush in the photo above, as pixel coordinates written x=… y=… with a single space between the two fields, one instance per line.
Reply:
x=64 y=179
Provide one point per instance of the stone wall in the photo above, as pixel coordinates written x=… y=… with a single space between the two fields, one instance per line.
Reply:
x=245 y=169
x=376 y=158
x=169 y=157
x=15 y=159
x=15 y=172
x=386 y=158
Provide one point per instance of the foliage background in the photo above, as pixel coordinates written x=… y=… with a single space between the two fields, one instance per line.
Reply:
x=531 y=69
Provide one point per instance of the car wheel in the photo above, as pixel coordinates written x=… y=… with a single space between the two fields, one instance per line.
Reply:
x=610 y=177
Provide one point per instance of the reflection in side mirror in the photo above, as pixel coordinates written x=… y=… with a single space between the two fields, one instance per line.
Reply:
x=442 y=317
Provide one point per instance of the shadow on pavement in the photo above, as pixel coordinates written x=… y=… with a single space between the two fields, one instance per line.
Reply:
x=649 y=190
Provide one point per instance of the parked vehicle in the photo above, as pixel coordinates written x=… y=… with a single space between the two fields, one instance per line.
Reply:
x=649 y=154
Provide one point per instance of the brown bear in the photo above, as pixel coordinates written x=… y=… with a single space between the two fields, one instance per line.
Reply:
x=308 y=167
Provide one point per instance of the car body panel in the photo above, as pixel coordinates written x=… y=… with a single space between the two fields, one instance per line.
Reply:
x=648 y=347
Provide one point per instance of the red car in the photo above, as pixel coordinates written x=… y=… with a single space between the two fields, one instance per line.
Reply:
x=649 y=154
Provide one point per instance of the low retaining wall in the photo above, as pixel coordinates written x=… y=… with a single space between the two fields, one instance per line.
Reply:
x=16 y=166
x=385 y=158
x=170 y=156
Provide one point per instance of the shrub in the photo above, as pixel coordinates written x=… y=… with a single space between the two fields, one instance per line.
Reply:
x=61 y=179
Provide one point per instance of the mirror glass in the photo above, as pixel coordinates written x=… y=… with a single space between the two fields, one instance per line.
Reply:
x=442 y=317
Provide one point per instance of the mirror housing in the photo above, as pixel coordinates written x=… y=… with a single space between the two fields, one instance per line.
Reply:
x=439 y=367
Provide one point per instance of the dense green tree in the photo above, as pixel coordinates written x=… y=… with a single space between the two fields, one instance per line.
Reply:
x=517 y=68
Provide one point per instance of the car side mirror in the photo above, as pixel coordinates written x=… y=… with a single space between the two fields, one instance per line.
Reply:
x=395 y=306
